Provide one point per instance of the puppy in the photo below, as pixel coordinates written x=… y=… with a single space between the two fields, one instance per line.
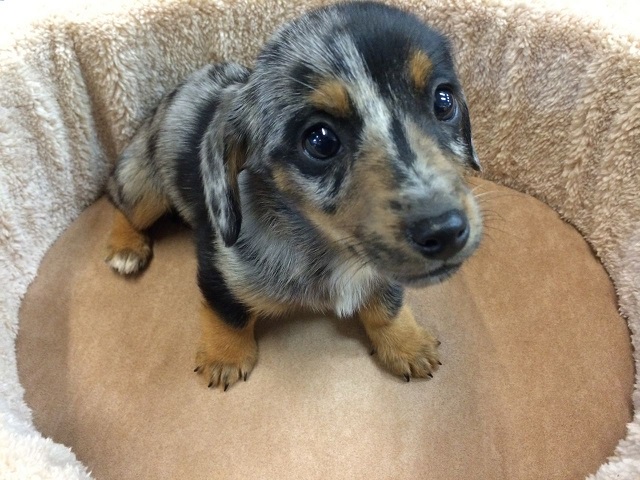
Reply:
x=326 y=178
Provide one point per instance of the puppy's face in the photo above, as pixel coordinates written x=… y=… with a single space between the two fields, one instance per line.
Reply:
x=358 y=119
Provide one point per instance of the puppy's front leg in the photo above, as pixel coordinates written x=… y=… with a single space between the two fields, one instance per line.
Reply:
x=225 y=354
x=402 y=346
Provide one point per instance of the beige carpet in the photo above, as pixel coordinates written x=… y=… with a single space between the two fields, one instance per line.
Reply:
x=553 y=94
x=536 y=381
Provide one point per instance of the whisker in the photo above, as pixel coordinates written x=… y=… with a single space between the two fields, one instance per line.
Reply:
x=491 y=214
x=510 y=234
x=310 y=87
x=488 y=237
x=496 y=195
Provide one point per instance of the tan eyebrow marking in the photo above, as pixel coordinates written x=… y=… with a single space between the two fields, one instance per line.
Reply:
x=419 y=69
x=332 y=96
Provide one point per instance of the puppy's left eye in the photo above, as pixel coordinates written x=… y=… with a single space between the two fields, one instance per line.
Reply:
x=320 y=142
x=445 y=105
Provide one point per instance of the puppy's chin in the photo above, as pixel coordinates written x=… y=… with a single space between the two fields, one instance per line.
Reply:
x=432 y=277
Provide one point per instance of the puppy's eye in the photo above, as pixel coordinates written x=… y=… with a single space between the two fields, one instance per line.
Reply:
x=445 y=105
x=320 y=142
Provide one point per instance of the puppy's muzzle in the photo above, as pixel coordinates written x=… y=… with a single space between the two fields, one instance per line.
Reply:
x=442 y=236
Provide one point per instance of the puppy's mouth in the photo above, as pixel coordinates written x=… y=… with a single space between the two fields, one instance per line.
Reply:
x=428 y=278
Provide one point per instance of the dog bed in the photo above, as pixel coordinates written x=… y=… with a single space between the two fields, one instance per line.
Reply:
x=538 y=369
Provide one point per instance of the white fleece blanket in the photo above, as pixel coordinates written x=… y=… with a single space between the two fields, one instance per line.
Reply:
x=73 y=86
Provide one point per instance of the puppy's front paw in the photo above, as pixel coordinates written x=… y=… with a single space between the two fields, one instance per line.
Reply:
x=129 y=261
x=225 y=354
x=129 y=249
x=402 y=346
x=407 y=350
x=224 y=368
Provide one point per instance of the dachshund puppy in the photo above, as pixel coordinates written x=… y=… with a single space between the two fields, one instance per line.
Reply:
x=327 y=178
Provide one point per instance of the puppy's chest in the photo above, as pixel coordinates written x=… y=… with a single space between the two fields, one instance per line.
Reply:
x=283 y=275
x=342 y=289
x=350 y=284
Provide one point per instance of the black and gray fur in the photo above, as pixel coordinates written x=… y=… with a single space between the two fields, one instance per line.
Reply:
x=279 y=229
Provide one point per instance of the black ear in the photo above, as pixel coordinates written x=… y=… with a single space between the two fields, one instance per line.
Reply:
x=222 y=157
x=466 y=135
x=474 y=160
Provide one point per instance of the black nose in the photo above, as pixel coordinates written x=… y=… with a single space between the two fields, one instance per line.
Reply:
x=441 y=237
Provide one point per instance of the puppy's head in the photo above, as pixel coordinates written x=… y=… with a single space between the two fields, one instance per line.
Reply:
x=355 y=115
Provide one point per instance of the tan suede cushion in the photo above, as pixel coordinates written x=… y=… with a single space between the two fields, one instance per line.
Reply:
x=536 y=379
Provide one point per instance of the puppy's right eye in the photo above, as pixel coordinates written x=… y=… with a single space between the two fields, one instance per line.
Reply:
x=320 y=142
x=445 y=105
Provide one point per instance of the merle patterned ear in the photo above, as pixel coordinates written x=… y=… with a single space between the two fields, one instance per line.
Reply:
x=222 y=157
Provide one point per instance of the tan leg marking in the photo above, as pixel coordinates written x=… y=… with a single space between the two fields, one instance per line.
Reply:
x=129 y=248
x=402 y=346
x=225 y=354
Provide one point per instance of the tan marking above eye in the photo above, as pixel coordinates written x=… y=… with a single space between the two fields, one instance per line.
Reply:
x=331 y=96
x=419 y=69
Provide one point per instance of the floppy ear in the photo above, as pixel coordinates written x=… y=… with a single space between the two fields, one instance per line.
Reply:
x=222 y=158
x=474 y=161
